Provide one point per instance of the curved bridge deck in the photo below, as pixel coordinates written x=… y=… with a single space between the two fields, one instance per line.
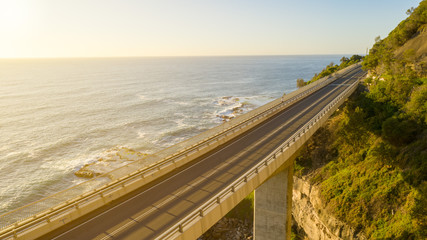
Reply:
x=156 y=207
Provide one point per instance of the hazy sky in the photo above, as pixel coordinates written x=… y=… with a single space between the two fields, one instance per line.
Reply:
x=103 y=28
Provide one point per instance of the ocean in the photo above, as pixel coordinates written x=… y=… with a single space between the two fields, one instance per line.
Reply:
x=59 y=116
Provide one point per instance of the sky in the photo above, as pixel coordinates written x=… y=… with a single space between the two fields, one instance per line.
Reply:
x=128 y=28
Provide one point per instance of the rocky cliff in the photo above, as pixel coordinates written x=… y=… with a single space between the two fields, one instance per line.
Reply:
x=309 y=212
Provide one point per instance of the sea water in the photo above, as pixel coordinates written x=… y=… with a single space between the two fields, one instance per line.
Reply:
x=58 y=115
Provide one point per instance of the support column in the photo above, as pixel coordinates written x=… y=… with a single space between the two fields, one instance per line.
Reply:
x=273 y=207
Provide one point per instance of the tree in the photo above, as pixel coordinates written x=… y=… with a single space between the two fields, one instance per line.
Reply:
x=300 y=83
x=410 y=11
x=398 y=132
x=353 y=129
x=356 y=58
x=344 y=59
x=417 y=105
x=377 y=39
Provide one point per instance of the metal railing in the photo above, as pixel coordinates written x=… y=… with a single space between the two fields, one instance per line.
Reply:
x=197 y=214
x=70 y=199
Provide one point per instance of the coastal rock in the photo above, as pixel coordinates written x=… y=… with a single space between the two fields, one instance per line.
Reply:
x=84 y=172
x=108 y=161
x=233 y=108
x=229 y=228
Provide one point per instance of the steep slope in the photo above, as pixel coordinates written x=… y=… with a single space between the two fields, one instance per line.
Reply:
x=370 y=161
x=417 y=46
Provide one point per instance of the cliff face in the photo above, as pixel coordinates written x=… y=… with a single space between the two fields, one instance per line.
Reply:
x=309 y=212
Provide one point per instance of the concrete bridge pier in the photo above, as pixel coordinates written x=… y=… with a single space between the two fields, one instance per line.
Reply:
x=273 y=206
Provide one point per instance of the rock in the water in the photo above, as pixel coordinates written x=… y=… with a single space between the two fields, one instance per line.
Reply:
x=84 y=173
x=108 y=161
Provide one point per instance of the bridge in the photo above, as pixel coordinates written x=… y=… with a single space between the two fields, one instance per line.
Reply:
x=180 y=192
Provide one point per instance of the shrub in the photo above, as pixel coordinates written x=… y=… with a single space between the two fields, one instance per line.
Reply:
x=300 y=83
x=399 y=132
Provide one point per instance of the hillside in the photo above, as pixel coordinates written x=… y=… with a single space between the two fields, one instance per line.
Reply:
x=365 y=171
x=404 y=50
x=416 y=45
x=370 y=160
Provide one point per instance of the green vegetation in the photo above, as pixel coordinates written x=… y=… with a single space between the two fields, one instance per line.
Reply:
x=371 y=159
x=374 y=184
x=297 y=233
x=382 y=57
x=300 y=83
x=331 y=68
x=244 y=210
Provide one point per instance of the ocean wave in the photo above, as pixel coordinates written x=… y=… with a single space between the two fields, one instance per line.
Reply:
x=180 y=123
x=177 y=102
x=60 y=147
x=230 y=107
x=176 y=135
x=141 y=134
x=146 y=122
x=145 y=104
x=141 y=97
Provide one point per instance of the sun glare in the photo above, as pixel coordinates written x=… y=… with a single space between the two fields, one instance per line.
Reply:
x=13 y=15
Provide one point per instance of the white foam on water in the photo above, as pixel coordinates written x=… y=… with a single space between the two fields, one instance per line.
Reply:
x=180 y=123
x=141 y=134
x=230 y=107
x=181 y=103
x=141 y=97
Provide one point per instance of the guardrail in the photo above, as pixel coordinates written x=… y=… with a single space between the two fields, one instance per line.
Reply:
x=67 y=205
x=202 y=211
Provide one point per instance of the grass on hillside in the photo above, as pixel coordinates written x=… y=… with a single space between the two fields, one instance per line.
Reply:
x=373 y=182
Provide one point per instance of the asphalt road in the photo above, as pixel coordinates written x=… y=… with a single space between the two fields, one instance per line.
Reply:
x=149 y=211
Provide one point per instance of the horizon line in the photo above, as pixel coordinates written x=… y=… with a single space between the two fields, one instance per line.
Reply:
x=176 y=56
